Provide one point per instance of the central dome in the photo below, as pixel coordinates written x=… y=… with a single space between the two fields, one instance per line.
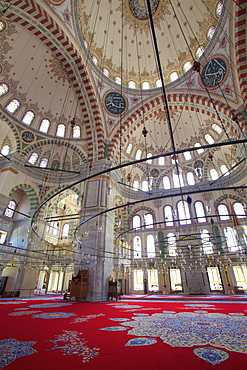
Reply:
x=117 y=37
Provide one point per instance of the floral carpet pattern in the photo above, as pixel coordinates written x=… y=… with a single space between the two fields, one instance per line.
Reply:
x=10 y=349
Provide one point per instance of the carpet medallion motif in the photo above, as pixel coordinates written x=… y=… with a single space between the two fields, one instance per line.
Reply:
x=211 y=355
x=53 y=315
x=10 y=349
x=74 y=345
x=187 y=329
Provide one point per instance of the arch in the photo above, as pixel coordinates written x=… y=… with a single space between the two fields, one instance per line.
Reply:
x=31 y=193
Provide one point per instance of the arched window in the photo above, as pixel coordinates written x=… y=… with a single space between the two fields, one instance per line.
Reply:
x=199 y=51
x=183 y=213
x=137 y=247
x=5 y=149
x=28 y=117
x=217 y=128
x=136 y=185
x=231 y=239
x=223 y=212
x=206 y=244
x=60 y=130
x=118 y=80
x=33 y=158
x=132 y=84
x=145 y=185
x=55 y=227
x=136 y=221
x=12 y=106
x=3 y=89
x=148 y=220
x=95 y=60
x=166 y=182
x=65 y=230
x=145 y=85
x=158 y=83
x=10 y=210
x=190 y=178
x=239 y=210
x=106 y=72
x=200 y=212
x=44 y=125
x=43 y=162
x=168 y=214
x=149 y=161
x=219 y=8
x=150 y=246
x=224 y=169
x=187 y=156
x=214 y=174
x=76 y=132
x=187 y=66
x=161 y=161
x=172 y=245
x=178 y=180
x=198 y=145
x=210 y=32
x=173 y=76
x=129 y=148
x=138 y=154
x=209 y=139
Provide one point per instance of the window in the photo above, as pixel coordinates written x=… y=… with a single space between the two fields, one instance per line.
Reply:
x=148 y=221
x=138 y=279
x=55 y=227
x=150 y=246
x=33 y=158
x=183 y=213
x=231 y=239
x=214 y=174
x=5 y=149
x=219 y=8
x=138 y=154
x=187 y=156
x=10 y=210
x=200 y=212
x=173 y=76
x=175 y=279
x=136 y=185
x=239 y=210
x=153 y=283
x=136 y=222
x=199 y=51
x=210 y=32
x=65 y=230
x=158 y=83
x=214 y=278
x=132 y=84
x=161 y=161
x=172 y=245
x=145 y=185
x=240 y=273
x=187 y=66
x=209 y=139
x=106 y=72
x=28 y=117
x=168 y=214
x=95 y=60
x=44 y=126
x=3 y=89
x=43 y=162
x=178 y=180
x=137 y=247
x=223 y=212
x=118 y=80
x=166 y=182
x=206 y=244
x=198 y=145
x=76 y=131
x=3 y=235
x=12 y=106
x=2 y=26
x=145 y=85
x=60 y=130
x=129 y=148
x=217 y=128
x=149 y=161
x=224 y=169
x=190 y=178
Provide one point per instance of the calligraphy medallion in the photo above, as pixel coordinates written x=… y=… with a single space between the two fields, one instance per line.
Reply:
x=139 y=8
x=214 y=72
x=115 y=103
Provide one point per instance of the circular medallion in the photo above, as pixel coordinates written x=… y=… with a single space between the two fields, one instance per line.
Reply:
x=198 y=164
x=155 y=172
x=214 y=72
x=57 y=2
x=27 y=136
x=115 y=103
x=139 y=8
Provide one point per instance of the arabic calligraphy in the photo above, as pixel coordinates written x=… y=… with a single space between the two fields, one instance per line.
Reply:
x=115 y=103
x=139 y=9
x=214 y=72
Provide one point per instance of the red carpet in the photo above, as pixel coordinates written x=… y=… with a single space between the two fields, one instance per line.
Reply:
x=153 y=334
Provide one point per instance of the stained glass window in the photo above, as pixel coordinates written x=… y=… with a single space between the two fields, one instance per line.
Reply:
x=219 y=8
x=12 y=106
x=210 y=32
x=44 y=126
x=95 y=60
x=2 y=26
x=10 y=210
x=3 y=89
x=216 y=128
x=106 y=72
x=43 y=162
x=76 y=131
x=33 y=158
x=118 y=80
x=199 y=51
x=28 y=117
